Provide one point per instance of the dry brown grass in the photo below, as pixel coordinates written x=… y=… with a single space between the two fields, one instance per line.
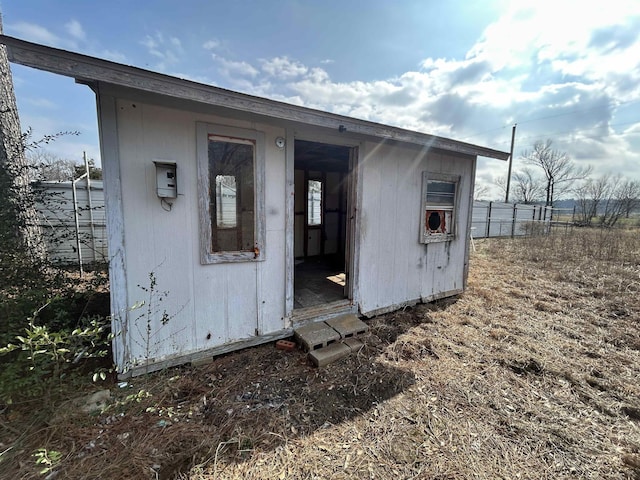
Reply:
x=532 y=373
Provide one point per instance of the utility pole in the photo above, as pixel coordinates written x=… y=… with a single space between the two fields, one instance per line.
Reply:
x=513 y=138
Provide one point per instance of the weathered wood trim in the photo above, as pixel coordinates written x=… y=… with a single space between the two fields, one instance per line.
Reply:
x=467 y=237
x=203 y=130
x=87 y=69
x=181 y=359
x=354 y=202
x=391 y=308
x=438 y=296
x=302 y=316
x=114 y=213
x=409 y=303
x=289 y=229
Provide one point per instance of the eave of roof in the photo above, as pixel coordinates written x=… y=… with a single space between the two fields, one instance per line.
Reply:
x=90 y=69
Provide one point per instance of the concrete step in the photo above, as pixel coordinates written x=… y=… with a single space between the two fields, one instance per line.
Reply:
x=353 y=343
x=332 y=339
x=348 y=325
x=325 y=356
x=316 y=335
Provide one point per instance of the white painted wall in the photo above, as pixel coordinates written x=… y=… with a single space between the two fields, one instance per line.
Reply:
x=217 y=304
x=395 y=268
x=208 y=305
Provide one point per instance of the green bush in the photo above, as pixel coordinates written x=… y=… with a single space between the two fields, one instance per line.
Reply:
x=41 y=357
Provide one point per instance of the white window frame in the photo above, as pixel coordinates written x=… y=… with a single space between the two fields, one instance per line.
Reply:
x=427 y=236
x=207 y=255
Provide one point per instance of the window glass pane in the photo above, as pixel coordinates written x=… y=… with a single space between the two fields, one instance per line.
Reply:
x=226 y=213
x=442 y=193
x=231 y=172
x=314 y=202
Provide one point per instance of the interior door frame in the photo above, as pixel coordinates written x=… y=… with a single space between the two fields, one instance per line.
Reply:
x=353 y=197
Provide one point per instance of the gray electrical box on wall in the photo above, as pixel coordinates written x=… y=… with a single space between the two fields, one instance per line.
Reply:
x=166 y=179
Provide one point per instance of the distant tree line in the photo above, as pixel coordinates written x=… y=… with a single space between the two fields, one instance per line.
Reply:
x=607 y=199
x=549 y=175
x=50 y=167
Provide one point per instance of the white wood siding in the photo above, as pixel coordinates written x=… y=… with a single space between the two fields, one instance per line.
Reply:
x=395 y=269
x=208 y=305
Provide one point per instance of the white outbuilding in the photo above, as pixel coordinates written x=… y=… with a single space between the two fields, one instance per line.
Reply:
x=231 y=218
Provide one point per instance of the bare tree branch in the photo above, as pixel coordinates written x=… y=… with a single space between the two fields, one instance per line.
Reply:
x=49 y=166
x=590 y=196
x=526 y=187
x=559 y=170
x=480 y=192
x=608 y=199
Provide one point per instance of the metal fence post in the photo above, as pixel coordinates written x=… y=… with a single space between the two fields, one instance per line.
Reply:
x=77 y=225
x=90 y=203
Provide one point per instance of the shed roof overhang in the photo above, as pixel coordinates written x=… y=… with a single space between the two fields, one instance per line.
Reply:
x=86 y=69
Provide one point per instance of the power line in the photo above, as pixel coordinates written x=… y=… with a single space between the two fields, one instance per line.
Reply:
x=580 y=131
x=572 y=112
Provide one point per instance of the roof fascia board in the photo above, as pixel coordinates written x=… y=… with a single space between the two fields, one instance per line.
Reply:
x=304 y=131
x=90 y=69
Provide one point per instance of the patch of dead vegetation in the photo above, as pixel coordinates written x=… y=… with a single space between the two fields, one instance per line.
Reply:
x=532 y=373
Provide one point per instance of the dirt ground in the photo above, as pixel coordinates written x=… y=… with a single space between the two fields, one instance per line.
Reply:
x=533 y=373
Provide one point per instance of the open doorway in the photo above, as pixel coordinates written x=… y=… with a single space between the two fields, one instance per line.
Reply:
x=321 y=249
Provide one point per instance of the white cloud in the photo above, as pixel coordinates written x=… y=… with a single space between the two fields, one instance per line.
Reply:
x=211 y=44
x=41 y=103
x=149 y=42
x=168 y=52
x=232 y=68
x=34 y=33
x=112 y=55
x=283 y=68
x=74 y=28
x=73 y=38
x=559 y=69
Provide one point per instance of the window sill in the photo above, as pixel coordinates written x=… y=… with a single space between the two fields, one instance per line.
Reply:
x=436 y=238
x=231 y=257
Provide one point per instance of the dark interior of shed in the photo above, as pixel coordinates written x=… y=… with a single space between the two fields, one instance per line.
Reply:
x=320 y=226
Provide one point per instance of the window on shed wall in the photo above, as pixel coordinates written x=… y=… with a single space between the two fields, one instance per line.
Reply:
x=439 y=207
x=231 y=193
x=231 y=172
x=314 y=203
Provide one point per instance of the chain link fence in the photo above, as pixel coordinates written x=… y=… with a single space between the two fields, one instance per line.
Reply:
x=497 y=219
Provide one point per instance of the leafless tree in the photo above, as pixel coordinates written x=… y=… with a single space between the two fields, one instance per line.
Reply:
x=608 y=199
x=625 y=196
x=629 y=196
x=559 y=170
x=589 y=197
x=49 y=166
x=480 y=192
x=501 y=183
x=526 y=187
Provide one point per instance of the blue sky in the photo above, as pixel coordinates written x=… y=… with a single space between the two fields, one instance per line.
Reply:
x=564 y=70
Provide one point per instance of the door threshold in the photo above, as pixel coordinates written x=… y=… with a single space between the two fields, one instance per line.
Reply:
x=302 y=316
